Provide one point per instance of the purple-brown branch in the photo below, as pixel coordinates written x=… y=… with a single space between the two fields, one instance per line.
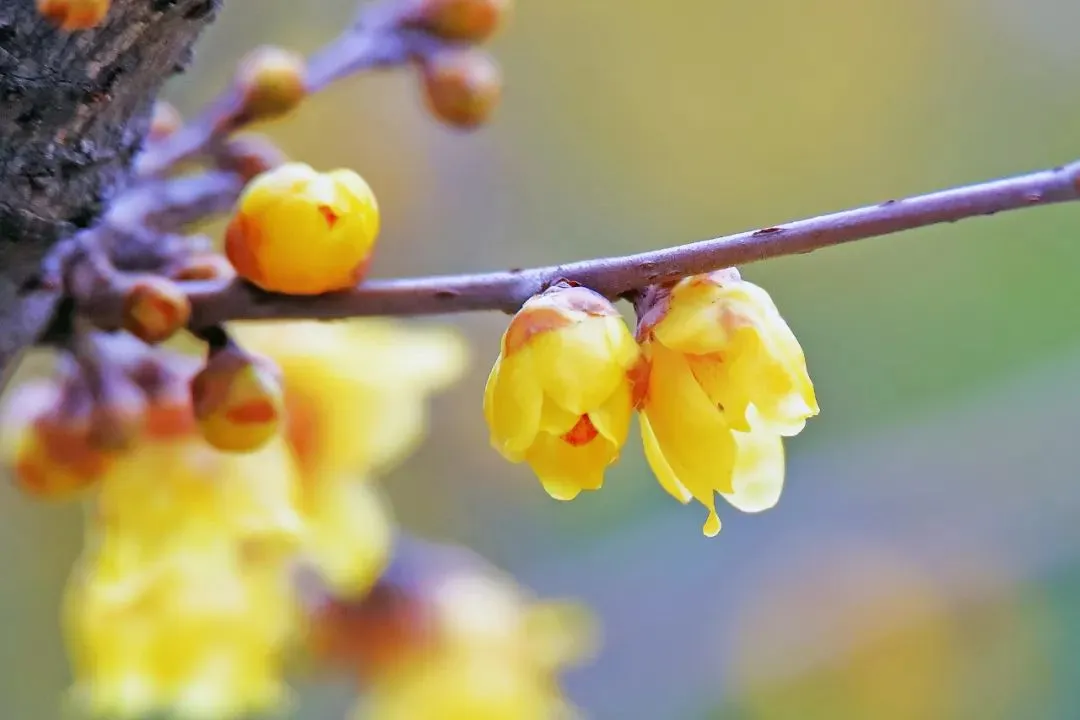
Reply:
x=218 y=302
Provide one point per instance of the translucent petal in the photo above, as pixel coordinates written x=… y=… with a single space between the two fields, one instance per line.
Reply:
x=690 y=431
x=759 y=471
x=612 y=419
x=659 y=464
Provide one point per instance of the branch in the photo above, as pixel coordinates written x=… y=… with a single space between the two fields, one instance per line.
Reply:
x=75 y=109
x=217 y=302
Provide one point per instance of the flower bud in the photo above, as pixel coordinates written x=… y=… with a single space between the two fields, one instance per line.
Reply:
x=271 y=82
x=155 y=309
x=237 y=399
x=302 y=232
x=164 y=122
x=74 y=14
x=461 y=86
x=464 y=20
x=46 y=440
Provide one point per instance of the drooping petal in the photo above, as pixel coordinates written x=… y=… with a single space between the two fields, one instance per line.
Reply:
x=349 y=534
x=690 y=431
x=565 y=470
x=759 y=471
x=659 y=464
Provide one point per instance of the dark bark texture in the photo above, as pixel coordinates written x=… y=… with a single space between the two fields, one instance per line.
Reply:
x=74 y=108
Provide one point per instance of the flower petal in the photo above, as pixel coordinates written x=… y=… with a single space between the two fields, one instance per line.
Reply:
x=692 y=434
x=565 y=470
x=516 y=404
x=659 y=464
x=612 y=419
x=759 y=471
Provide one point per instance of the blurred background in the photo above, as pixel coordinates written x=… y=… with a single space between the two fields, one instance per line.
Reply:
x=924 y=561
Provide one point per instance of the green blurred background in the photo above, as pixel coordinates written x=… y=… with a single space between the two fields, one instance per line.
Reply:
x=925 y=559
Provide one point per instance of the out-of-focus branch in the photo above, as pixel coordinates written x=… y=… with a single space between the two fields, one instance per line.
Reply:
x=377 y=39
x=218 y=302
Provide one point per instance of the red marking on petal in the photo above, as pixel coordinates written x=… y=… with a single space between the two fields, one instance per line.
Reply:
x=583 y=432
x=254 y=411
x=329 y=215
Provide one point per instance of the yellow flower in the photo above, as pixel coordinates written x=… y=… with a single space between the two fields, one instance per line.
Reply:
x=181 y=603
x=349 y=533
x=726 y=380
x=302 y=232
x=465 y=686
x=198 y=634
x=560 y=395
x=493 y=654
x=355 y=391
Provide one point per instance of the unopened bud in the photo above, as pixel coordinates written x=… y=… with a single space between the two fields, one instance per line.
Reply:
x=271 y=81
x=46 y=440
x=461 y=86
x=238 y=400
x=465 y=20
x=155 y=309
x=74 y=14
x=164 y=122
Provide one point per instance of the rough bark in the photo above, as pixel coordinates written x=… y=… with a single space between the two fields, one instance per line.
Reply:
x=74 y=108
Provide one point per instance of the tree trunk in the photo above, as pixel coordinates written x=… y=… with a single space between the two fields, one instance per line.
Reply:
x=74 y=108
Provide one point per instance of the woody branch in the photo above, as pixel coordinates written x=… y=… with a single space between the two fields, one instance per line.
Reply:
x=216 y=302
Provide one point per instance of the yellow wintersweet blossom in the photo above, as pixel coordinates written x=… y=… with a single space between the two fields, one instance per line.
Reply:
x=465 y=686
x=726 y=381
x=180 y=603
x=356 y=390
x=494 y=655
x=198 y=634
x=560 y=396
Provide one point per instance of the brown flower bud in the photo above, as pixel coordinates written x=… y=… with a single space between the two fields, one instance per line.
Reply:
x=271 y=82
x=461 y=86
x=155 y=309
x=465 y=20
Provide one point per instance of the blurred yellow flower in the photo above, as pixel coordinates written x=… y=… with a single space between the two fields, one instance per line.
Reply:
x=465 y=686
x=493 y=654
x=560 y=396
x=726 y=380
x=355 y=391
x=181 y=603
x=198 y=634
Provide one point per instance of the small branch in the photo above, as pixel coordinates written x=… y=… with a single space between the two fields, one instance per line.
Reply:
x=376 y=40
x=218 y=302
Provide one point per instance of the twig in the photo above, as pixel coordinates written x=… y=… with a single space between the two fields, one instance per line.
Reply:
x=218 y=302
x=376 y=40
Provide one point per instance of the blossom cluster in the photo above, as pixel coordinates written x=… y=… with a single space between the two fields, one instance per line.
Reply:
x=715 y=373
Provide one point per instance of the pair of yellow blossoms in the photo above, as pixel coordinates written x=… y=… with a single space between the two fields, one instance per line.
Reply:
x=715 y=373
